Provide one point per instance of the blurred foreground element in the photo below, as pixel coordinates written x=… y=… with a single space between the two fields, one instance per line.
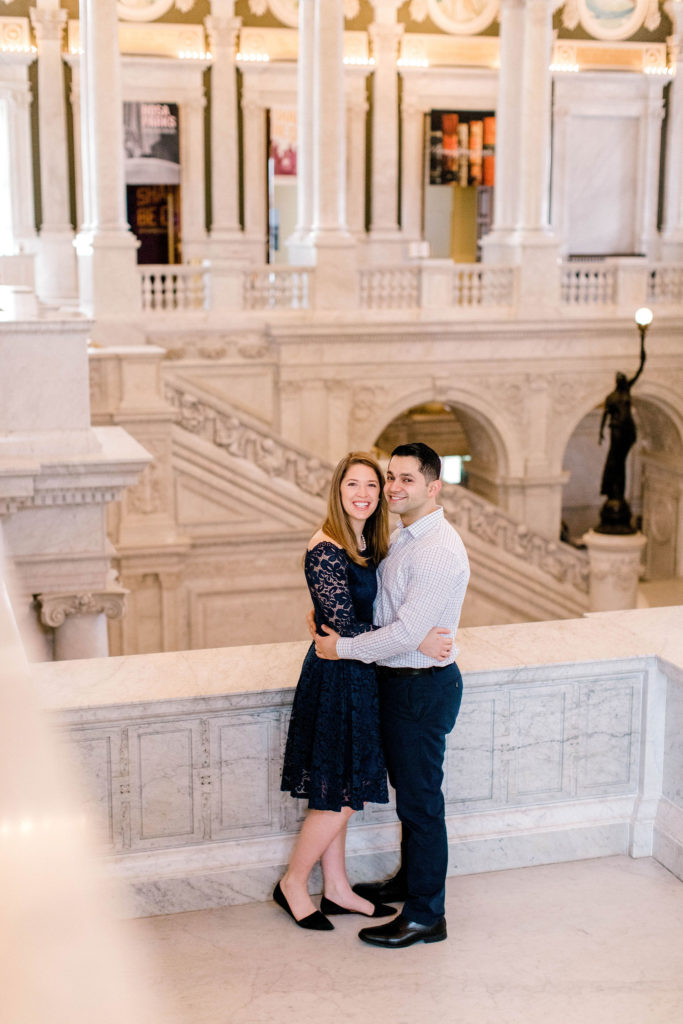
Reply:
x=63 y=956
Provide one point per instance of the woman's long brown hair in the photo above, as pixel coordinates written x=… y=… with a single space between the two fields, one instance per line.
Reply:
x=337 y=525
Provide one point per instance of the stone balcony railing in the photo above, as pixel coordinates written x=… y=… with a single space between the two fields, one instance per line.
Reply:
x=567 y=747
x=587 y=288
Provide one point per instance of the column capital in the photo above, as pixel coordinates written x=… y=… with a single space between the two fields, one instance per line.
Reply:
x=222 y=32
x=48 y=25
x=385 y=39
x=55 y=607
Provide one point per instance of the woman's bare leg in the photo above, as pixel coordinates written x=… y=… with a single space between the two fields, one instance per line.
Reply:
x=319 y=830
x=336 y=883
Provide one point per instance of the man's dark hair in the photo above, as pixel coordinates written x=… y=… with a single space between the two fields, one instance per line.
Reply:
x=430 y=463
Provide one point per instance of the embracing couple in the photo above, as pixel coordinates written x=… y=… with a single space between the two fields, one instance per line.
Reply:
x=379 y=690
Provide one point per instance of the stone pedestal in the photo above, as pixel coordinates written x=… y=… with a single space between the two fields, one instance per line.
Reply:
x=614 y=569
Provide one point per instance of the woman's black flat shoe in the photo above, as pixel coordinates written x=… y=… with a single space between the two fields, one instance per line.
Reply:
x=316 y=921
x=381 y=909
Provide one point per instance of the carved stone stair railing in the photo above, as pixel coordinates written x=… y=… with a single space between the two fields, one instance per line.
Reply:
x=523 y=574
x=535 y=577
x=246 y=438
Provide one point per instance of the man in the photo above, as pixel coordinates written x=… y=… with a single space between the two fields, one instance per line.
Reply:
x=421 y=583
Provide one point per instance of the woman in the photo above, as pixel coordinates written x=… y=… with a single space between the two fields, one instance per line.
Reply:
x=334 y=755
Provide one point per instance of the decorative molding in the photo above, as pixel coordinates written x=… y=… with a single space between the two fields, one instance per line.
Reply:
x=61 y=497
x=457 y=18
x=56 y=607
x=150 y=10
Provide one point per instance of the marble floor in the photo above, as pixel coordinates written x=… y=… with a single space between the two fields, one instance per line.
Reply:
x=587 y=942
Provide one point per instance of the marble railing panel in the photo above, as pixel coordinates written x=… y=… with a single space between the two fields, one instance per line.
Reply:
x=165 y=809
x=246 y=761
x=609 y=735
x=94 y=757
x=475 y=767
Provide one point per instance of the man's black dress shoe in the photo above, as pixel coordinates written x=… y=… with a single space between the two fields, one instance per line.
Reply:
x=381 y=909
x=390 y=890
x=402 y=932
x=316 y=921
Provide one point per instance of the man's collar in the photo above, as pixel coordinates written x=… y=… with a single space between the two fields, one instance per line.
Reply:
x=425 y=523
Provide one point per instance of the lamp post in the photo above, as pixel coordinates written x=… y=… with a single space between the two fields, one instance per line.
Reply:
x=643 y=319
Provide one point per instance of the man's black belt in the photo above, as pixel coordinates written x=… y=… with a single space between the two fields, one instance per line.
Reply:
x=387 y=670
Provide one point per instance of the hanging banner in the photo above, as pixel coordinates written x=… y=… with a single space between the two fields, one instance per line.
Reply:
x=152 y=143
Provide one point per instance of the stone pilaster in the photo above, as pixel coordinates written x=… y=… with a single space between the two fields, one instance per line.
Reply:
x=108 y=280
x=672 y=232
x=255 y=184
x=412 y=165
x=193 y=207
x=56 y=259
x=226 y=232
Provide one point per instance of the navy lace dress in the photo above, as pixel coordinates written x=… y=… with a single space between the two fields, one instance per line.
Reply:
x=334 y=754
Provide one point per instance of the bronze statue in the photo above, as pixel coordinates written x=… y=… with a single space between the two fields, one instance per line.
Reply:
x=615 y=515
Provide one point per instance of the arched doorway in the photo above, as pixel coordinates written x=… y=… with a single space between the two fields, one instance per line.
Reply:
x=467 y=444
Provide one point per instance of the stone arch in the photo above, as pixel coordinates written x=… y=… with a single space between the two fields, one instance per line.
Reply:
x=485 y=429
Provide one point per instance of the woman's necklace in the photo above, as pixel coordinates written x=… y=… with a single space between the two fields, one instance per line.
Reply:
x=361 y=544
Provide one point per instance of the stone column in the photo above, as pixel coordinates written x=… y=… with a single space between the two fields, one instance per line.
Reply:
x=193 y=206
x=330 y=246
x=522 y=233
x=80 y=621
x=108 y=279
x=385 y=36
x=21 y=166
x=226 y=232
x=304 y=131
x=56 y=259
x=499 y=244
x=412 y=165
x=255 y=169
x=356 y=111
x=614 y=569
x=672 y=232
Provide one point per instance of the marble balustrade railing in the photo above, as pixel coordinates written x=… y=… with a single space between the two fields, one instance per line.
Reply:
x=568 y=746
x=238 y=434
x=170 y=288
x=474 y=515
x=587 y=287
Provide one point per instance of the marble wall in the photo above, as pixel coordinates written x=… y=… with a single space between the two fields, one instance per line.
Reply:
x=565 y=748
